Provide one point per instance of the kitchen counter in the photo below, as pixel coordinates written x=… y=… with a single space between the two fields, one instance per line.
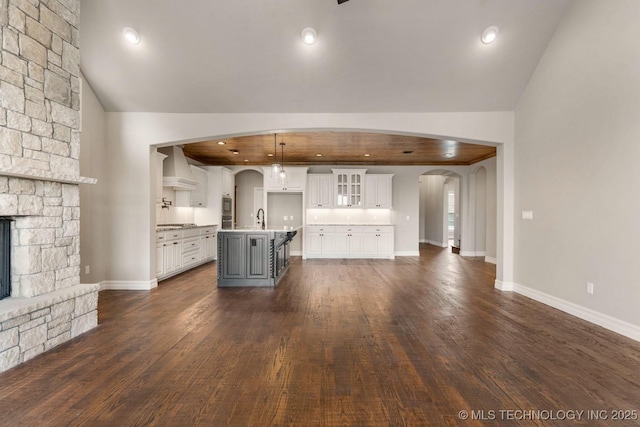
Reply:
x=165 y=227
x=275 y=229
x=253 y=257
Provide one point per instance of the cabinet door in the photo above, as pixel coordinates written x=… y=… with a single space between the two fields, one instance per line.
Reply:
x=328 y=243
x=356 y=243
x=228 y=183
x=295 y=179
x=313 y=191
x=233 y=266
x=172 y=257
x=257 y=256
x=385 y=244
x=342 y=189
x=378 y=191
x=199 y=195
x=325 y=191
x=160 y=259
x=341 y=241
x=314 y=243
x=370 y=243
x=355 y=189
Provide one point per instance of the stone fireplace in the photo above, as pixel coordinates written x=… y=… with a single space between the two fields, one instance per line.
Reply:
x=39 y=178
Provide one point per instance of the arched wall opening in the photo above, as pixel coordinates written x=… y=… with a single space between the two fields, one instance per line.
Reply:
x=131 y=138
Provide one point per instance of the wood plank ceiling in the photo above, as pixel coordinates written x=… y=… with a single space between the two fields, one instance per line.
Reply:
x=337 y=148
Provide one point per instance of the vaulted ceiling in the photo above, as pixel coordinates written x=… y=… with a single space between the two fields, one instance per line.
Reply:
x=246 y=56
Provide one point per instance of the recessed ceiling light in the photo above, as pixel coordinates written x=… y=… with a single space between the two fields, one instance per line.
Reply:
x=309 y=35
x=222 y=143
x=367 y=155
x=319 y=155
x=270 y=155
x=235 y=151
x=131 y=35
x=246 y=160
x=490 y=34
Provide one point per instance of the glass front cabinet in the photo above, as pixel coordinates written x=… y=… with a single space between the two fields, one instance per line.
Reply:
x=349 y=187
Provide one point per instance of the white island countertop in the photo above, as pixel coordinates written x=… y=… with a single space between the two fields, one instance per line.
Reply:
x=274 y=228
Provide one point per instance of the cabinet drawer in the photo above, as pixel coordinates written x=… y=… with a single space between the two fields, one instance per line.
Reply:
x=320 y=229
x=208 y=231
x=190 y=245
x=190 y=259
x=165 y=236
x=349 y=229
x=380 y=229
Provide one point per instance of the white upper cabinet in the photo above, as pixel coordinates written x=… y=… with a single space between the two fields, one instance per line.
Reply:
x=378 y=192
x=320 y=191
x=348 y=187
x=196 y=198
x=295 y=180
x=228 y=183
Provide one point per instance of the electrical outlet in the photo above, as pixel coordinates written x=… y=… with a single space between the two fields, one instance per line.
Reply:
x=590 y=288
x=87 y=269
x=286 y=217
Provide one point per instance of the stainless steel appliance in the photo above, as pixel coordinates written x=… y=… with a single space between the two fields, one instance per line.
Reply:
x=227 y=213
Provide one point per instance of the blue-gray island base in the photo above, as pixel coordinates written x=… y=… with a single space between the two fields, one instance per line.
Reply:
x=253 y=257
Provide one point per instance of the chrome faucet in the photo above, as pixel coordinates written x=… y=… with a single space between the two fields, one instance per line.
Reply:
x=258 y=216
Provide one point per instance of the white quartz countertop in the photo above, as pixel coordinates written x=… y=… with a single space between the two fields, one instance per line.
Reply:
x=278 y=229
x=181 y=226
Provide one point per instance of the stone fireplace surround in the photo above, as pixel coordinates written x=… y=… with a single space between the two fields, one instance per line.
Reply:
x=40 y=178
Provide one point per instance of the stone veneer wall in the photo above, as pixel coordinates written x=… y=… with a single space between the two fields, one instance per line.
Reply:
x=39 y=177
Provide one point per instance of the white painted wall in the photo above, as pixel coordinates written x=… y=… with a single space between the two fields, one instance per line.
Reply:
x=94 y=244
x=432 y=190
x=492 y=205
x=246 y=182
x=577 y=145
x=131 y=135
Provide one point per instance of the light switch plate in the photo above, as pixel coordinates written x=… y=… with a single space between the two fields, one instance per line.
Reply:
x=527 y=214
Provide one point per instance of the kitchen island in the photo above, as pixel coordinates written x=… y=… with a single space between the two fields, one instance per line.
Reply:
x=253 y=257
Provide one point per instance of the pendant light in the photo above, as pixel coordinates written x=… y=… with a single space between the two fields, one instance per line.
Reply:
x=283 y=173
x=275 y=167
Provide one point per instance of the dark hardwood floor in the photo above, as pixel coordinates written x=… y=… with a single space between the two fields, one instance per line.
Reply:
x=405 y=342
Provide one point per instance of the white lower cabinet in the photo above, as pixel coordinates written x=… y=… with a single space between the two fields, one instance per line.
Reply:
x=378 y=242
x=168 y=257
x=340 y=241
x=181 y=250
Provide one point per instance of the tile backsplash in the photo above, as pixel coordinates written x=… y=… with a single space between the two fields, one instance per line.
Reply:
x=349 y=216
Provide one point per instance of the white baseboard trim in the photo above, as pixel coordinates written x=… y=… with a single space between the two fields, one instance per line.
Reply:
x=490 y=260
x=295 y=253
x=474 y=254
x=121 y=285
x=407 y=253
x=439 y=244
x=503 y=286
x=621 y=327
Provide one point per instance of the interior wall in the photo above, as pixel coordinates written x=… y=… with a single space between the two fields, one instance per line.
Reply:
x=480 y=236
x=130 y=136
x=452 y=184
x=246 y=182
x=285 y=210
x=94 y=246
x=577 y=125
x=433 y=190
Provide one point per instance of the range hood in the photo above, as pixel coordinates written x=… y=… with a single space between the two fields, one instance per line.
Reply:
x=176 y=172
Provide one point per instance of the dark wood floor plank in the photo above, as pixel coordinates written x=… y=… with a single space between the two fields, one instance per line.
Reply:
x=405 y=342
